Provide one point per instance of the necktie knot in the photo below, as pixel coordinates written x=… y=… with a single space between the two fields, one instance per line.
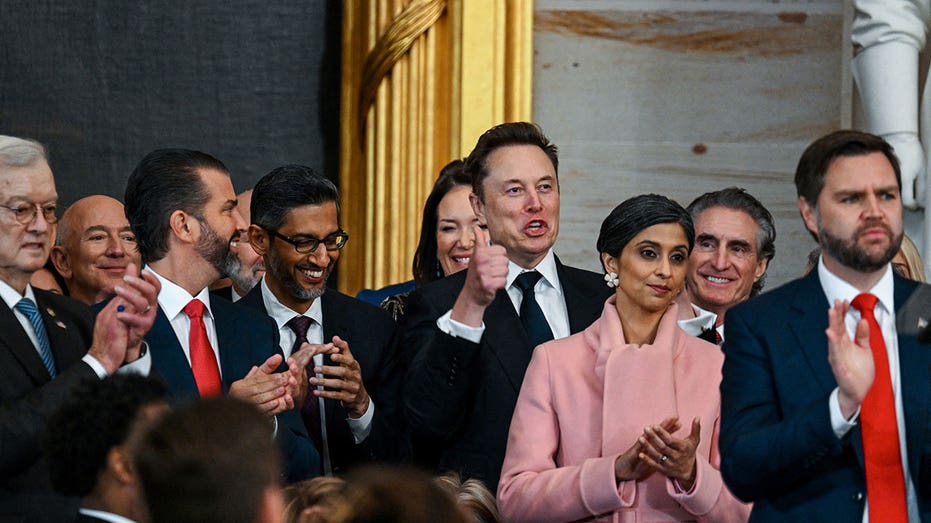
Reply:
x=26 y=307
x=299 y=324
x=526 y=281
x=865 y=303
x=194 y=309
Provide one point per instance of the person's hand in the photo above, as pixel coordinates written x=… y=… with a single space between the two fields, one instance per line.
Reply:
x=267 y=389
x=342 y=381
x=110 y=338
x=297 y=365
x=629 y=466
x=138 y=297
x=487 y=274
x=851 y=361
x=673 y=457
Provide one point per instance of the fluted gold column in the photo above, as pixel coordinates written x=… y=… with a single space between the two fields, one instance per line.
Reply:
x=421 y=80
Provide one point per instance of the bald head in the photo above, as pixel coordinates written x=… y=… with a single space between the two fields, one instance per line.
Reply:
x=94 y=246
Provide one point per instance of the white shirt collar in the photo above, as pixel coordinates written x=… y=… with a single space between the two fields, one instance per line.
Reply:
x=837 y=289
x=282 y=314
x=702 y=321
x=172 y=298
x=11 y=296
x=546 y=267
x=106 y=516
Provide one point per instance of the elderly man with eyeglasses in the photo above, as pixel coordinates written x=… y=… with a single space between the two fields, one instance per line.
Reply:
x=49 y=343
x=343 y=341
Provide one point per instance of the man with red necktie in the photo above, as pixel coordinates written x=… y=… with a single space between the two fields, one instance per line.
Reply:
x=182 y=209
x=825 y=404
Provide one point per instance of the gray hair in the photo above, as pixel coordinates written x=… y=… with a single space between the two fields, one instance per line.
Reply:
x=20 y=152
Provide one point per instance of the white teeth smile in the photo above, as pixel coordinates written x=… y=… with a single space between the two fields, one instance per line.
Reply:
x=312 y=273
x=464 y=261
x=535 y=225
x=715 y=279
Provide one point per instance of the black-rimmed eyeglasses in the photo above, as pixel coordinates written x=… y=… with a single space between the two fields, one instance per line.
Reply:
x=307 y=245
x=25 y=213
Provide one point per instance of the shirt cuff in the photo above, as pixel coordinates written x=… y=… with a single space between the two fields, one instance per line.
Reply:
x=96 y=365
x=361 y=427
x=840 y=425
x=460 y=330
x=142 y=366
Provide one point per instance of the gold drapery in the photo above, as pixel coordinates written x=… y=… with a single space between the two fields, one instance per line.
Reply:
x=421 y=80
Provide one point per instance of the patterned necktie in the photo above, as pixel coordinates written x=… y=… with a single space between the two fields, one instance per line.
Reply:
x=531 y=315
x=203 y=360
x=29 y=310
x=312 y=411
x=885 y=479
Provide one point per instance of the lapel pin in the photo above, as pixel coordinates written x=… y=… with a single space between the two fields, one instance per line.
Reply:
x=922 y=323
x=60 y=324
x=50 y=311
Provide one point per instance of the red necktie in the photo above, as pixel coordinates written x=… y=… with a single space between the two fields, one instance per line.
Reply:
x=885 y=479
x=203 y=360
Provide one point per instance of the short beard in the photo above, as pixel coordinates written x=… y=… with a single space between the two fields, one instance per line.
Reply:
x=215 y=250
x=244 y=280
x=848 y=254
x=280 y=271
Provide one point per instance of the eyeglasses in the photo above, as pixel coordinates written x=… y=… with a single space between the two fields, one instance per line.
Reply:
x=25 y=213
x=333 y=242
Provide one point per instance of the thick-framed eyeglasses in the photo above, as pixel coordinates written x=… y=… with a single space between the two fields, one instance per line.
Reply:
x=307 y=245
x=25 y=213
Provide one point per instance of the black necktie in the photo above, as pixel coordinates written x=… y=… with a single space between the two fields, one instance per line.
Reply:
x=531 y=315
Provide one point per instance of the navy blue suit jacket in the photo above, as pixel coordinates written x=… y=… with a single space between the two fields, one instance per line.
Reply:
x=778 y=449
x=28 y=396
x=369 y=332
x=245 y=339
x=459 y=396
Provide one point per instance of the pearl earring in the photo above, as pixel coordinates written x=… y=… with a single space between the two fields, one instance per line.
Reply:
x=611 y=280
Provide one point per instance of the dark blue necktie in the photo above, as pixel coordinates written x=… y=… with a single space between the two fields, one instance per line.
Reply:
x=531 y=315
x=29 y=310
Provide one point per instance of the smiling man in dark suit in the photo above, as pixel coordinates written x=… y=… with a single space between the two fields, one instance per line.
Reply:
x=182 y=208
x=48 y=343
x=470 y=336
x=826 y=403
x=295 y=227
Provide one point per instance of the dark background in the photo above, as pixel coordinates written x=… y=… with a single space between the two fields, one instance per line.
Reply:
x=102 y=83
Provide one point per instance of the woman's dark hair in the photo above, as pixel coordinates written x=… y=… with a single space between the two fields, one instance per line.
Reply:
x=636 y=214
x=426 y=267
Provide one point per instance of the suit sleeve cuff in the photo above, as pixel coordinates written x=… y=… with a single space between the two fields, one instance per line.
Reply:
x=142 y=366
x=361 y=427
x=840 y=425
x=460 y=330
x=95 y=365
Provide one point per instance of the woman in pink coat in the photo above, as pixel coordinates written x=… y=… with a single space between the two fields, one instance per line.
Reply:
x=620 y=422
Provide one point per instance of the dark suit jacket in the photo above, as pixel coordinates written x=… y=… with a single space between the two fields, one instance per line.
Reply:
x=28 y=396
x=224 y=292
x=245 y=339
x=369 y=332
x=777 y=446
x=459 y=396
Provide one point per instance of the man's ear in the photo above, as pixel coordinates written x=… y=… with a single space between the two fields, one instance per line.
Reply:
x=259 y=239
x=61 y=262
x=809 y=215
x=120 y=465
x=478 y=207
x=182 y=226
x=760 y=269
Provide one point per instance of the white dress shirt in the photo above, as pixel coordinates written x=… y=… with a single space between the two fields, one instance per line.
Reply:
x=838 y=289
x=172 y=299
x=11 y=297
x=547 y=291
x=361 y=427
x=702 y=321
x=106 y=516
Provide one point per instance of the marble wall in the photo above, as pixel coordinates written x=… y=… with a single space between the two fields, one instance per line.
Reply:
x=681 y=97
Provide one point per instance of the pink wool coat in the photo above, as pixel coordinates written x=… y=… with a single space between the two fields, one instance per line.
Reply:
x=585 y=400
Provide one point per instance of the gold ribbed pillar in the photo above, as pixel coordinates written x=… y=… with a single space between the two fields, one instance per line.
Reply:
x=421 y=80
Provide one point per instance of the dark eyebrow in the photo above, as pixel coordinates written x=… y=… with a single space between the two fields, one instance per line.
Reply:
x=705 y=236
x=740 y=243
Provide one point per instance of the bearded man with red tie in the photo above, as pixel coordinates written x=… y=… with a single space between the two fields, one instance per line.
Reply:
x=182 y=209
x=826 y=402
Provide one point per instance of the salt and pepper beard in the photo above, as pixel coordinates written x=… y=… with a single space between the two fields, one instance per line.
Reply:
x=215 y=250
x=280 y=271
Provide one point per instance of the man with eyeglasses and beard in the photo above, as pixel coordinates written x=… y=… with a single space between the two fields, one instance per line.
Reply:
x=182 y=208
x=343 y=341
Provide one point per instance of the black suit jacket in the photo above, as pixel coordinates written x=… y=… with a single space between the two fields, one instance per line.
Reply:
x=459 y=396
x=778 y=449
x=28 y=396
x=369 y=332
x=245 y=339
